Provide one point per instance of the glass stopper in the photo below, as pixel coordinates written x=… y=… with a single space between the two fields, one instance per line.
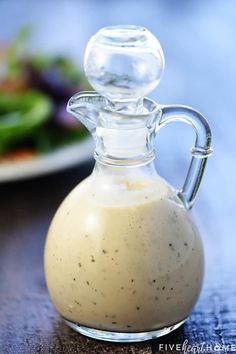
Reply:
x=123 y=63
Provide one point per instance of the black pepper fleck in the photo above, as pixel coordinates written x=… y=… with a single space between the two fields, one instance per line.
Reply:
x=137 y=308
x=171 y=246
x=163 y=288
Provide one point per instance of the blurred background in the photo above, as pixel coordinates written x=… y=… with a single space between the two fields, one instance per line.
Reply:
x=41 y=48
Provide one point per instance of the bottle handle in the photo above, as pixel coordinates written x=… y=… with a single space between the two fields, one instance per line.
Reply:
x=200 y=151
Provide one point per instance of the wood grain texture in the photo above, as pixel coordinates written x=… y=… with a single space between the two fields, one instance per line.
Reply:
x=28 y=320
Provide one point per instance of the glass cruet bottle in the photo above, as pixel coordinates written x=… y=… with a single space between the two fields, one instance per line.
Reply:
x=123 y=258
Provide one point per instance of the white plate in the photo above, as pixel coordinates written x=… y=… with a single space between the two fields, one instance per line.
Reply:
x=57 y=160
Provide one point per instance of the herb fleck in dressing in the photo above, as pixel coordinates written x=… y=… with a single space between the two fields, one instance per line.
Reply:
x=123 y=266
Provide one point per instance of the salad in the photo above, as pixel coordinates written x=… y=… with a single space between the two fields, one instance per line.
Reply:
x=34 y=90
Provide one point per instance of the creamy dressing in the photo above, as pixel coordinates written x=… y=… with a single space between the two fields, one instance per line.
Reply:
x=123 y=255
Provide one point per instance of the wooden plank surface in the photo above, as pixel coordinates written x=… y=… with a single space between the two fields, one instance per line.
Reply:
x=28 y=320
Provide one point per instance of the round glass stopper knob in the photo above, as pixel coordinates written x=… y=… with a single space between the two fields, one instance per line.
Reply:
x=123 y=63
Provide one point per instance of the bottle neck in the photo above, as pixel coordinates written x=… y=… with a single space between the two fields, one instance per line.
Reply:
x=124 y=147
x=124 y=134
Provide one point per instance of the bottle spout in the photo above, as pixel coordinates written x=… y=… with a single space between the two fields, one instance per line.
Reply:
x=84 y=106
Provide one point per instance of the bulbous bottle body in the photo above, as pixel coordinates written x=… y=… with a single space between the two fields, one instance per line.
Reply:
x=123 y=255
